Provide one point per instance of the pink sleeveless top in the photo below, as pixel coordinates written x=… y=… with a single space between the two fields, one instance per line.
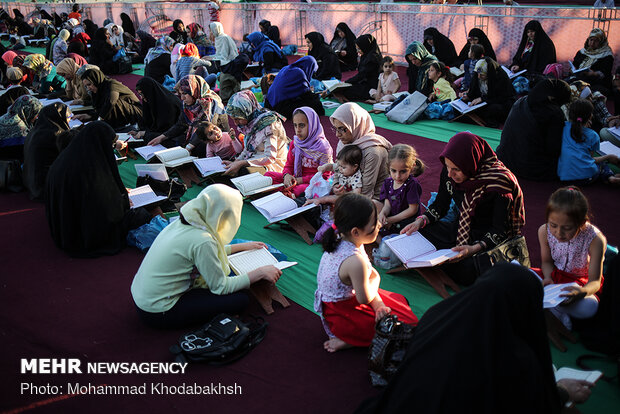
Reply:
x=573 y=256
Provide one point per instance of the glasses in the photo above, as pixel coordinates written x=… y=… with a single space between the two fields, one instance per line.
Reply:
x=340 y=130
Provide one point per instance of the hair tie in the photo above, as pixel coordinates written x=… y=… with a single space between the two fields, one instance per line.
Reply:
x=571 y=188
x=334 y=227
x=579 y=120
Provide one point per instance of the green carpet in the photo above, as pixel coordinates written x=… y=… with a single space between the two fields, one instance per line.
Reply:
x=298 y=283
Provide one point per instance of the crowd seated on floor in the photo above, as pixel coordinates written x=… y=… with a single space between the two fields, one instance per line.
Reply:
x=191 y=98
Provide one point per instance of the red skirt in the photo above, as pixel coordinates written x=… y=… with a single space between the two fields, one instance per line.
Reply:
x=355 y=323
x=559 y=277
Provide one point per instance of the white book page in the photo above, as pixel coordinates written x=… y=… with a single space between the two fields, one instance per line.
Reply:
x=157 y=171
x=613 y=130
x=148 y=151
x=335 y=84
x=552 y=297
x=248 y=84
x=609 y=148
x=143 y=196
x=512 y=74
x=274 y=205
x=172 y=154
x=463 y=107
x=577 y=374
x=128 y=138
x=432 y=258
x=210 y=165
x=245 y=262
x=178 y=161
x=74 y=123
x=408 y=248
x=251 y=182
x=46 y=102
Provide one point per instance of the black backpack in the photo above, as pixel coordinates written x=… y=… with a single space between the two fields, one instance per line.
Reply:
x=223 y=340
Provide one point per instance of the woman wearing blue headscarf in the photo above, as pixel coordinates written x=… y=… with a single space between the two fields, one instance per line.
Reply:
x=291 y=88
x=267 y=52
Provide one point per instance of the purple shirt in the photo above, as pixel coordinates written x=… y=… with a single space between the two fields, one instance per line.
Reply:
x=400 y=199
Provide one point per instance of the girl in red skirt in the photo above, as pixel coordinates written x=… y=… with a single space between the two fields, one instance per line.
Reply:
x=348 y=295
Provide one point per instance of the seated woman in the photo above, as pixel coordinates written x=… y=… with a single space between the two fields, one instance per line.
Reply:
x=41 y=147
x=501 y=316
x=161 y=109
x=488 y=198
x=368 y=70
x=353 y=125
x=75 y=89
x=306 y=153
x=535 y=51
x=146 y=43
x=89 y=220
x=477 y=37
x=291 y=88
x=116 y=35
x=419 y=60
x=267 y=52
x=325 y=57
x=265 y=139
x=200 y=103
x=531 y=140
x=184 y=277
x=231 y=63
x=157 y=60
x=59 y=50
x=114 y=103
x=491 y=84
x=45 y=71
x=197 y=36
x=15 y=125
x=10 y=96
x=127 y=24
x=102 y=51
x=272 y=32
x=441 y=46
x=343 y=45
x=595 y=56
x=79 y=45
x=178 y=33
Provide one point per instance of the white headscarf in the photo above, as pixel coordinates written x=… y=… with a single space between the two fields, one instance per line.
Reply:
x=225 y=47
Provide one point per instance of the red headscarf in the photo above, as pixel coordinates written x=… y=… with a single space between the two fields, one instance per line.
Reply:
x=190 y=49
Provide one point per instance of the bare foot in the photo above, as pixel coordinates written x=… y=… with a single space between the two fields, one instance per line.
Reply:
x=370 y=101
x=335 y=344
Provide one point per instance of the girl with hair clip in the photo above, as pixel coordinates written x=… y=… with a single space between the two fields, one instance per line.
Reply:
x=576 y=164
x=572 y=250
x=442 y=89
x=348 y=295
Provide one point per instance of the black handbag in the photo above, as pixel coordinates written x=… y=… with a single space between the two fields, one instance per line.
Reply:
x=388 y=348
x=173 y=188
x=513 y=249
x=11 y=176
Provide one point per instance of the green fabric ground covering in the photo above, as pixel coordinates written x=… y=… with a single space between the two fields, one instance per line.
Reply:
x=298 y=283
x=432 y=128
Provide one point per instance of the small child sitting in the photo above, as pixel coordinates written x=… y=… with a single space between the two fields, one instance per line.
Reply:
x=347 y=174
x=223 y=144
x=401 y=191
x=388 y=85
x=442 y=90
x=475 y=53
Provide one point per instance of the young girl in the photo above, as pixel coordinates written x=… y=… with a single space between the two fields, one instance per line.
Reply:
x=223 y=144
x=348 y=295
x=576 y=164
x=476 y=52
x=308 y=150
x=388 y=85
x=401 y=191
x=442 y=90
x=572 y=251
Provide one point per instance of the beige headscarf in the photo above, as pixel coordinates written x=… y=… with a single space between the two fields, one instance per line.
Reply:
x=216 y=210
x=359 y=122
x=67 y=68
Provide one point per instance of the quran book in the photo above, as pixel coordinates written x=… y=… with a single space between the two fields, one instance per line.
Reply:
x=277 y=206
x=248 y=84
x=174 y=157
x=143 y=196
x=156 y=171
x=607 y=147
x=577 y=374
x=148 y=151
x=381 y=106
x=416 y=251
x=456 y=71
x=334 y=84
x=74 y=123
x=512 y=74
x=130 y=139
x=209 y=166
x=244 y=262
x=573 y=69
x=254 y=183
x=463 y=107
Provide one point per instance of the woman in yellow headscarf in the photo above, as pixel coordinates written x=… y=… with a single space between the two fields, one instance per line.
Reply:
x=183 y=279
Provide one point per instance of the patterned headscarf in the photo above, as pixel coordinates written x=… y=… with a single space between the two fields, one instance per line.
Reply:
x=485 y=174
x=592 y=55
x=38 y=64
x=315 y=146
x=208 y=103
x=190 y=49
x=164 y=44
x=20 y=117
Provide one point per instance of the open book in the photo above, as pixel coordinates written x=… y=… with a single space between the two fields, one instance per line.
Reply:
x=174 y=157
x=148 y=151
x=156 y=171
x=81 y=108
x=244 y=262
x=552 y=296
x=573 y=69
x=143 y=196
x=130 y=139
x=334 y=84
x=277 y=206
x=74 y=123
x=254 y=183
x=607 y=147
x=209 y=166
x=417 y=251
x=577 y=374
x=464 y=107
x=512 y=74
x=247 y=84
x=456 y=71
